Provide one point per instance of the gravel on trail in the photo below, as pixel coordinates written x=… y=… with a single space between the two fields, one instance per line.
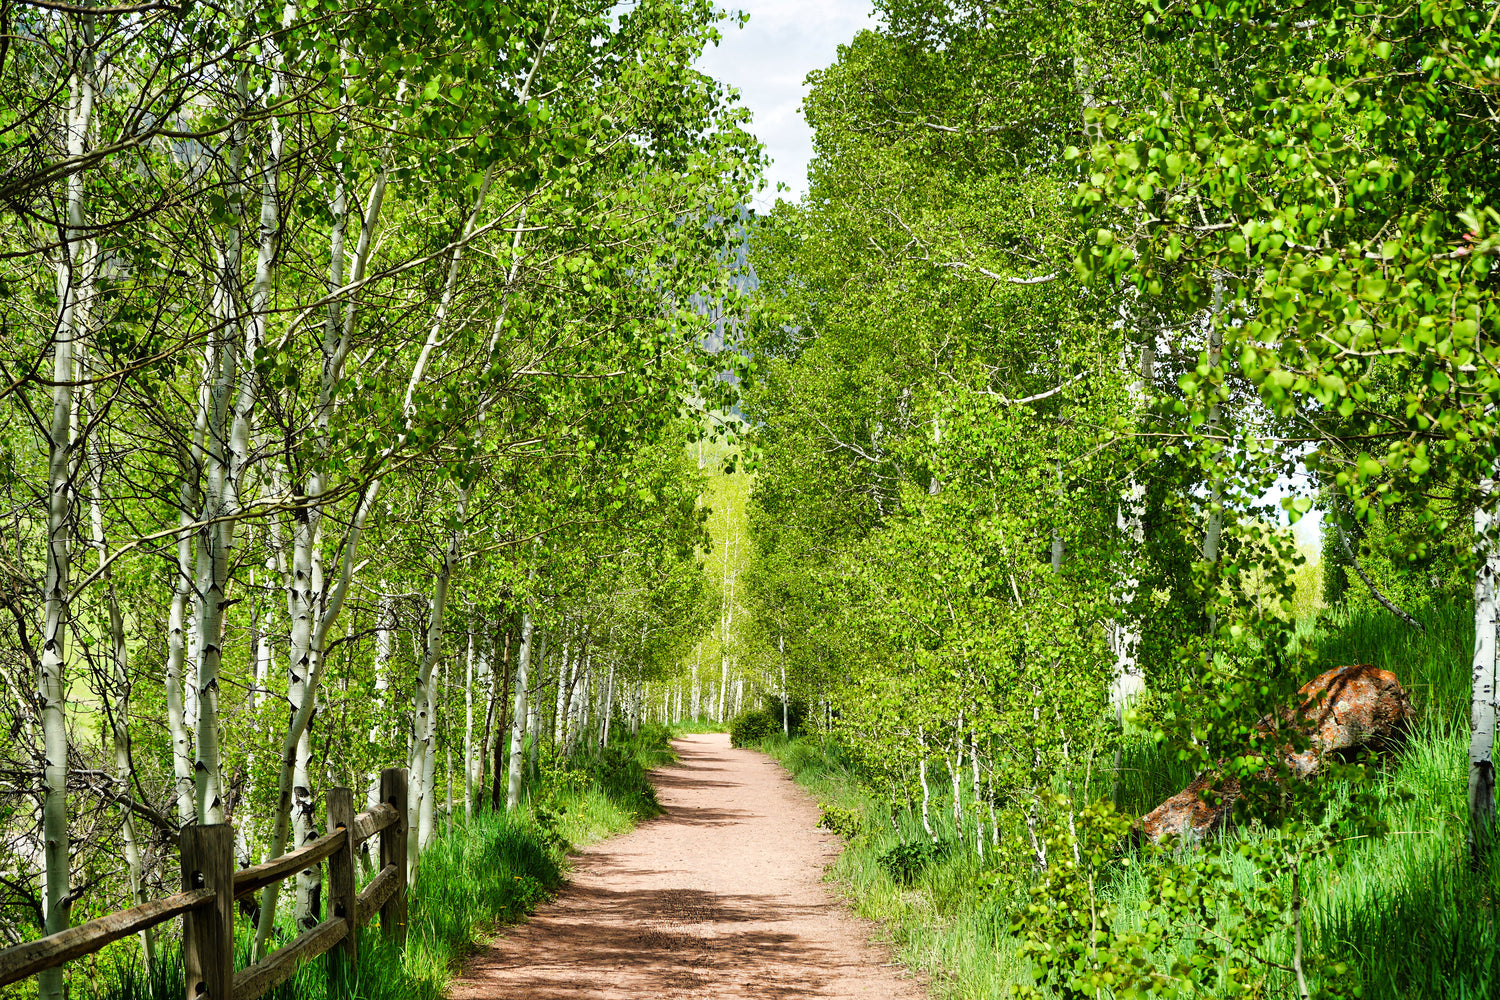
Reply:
x=721 y=896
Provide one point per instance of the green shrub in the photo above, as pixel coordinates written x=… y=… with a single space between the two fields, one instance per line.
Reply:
x=751 y=727
x=796 y=713
x=844 y=822
x=905 y=862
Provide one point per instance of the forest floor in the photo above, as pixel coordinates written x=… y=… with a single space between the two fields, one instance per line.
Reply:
x=720 y=896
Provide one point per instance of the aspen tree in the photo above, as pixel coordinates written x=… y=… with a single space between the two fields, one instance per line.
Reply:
x=518 y=715
x=75 y=273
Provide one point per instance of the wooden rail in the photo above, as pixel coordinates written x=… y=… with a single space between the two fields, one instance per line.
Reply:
x=210 y=885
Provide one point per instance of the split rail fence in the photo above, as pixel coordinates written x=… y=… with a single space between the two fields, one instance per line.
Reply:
x=210 y=886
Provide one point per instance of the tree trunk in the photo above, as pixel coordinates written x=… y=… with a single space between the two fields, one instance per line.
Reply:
x=1215 y=526
x=1482 y=705
x=309 y=909
x=697 y=657
x=304 y=671
x=382 y=685
x=469 y=730
x=609 y=698
x=564 y=687
x=498 y=775
x=489 y=679
x=922 y=777
x=978 y=819
x=786 y=725
x=118 y=710
x=518 y=718
x=427 y=762
x=75 y=298
x=424 y=727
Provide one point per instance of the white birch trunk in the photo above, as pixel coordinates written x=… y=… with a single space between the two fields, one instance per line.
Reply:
x=305 y=668
x=955 y=778
x=609 y=697
x=424 y=699
x=564 y=688
x=468 y=733
x=119 y=707
x=1215 y=526
x=576 y=703
x=180 y=644
x=726 y=622
x=74 y=296
x=426 y=815
x=978 y=818
x=1483 y=699
x=309 y=907
x=533 y=712
x=697 y=659
x=926 y=792
x=786 y=725
x=1129 y=680
x=518 y=719
x=382 y=685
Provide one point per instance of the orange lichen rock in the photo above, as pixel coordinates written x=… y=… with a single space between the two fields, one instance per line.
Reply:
x=1345 y=709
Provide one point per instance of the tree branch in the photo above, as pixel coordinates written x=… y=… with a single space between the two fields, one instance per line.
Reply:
x=1385 y=602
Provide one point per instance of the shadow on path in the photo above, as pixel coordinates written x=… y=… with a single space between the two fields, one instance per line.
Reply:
x=721 y=896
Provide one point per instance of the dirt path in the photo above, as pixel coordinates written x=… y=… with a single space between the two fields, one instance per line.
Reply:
x=720 y=897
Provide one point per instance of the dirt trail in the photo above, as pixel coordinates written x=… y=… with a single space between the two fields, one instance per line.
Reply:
x=720 y=897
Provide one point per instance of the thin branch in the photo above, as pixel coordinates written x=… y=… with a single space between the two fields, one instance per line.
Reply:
x=1040 y=280
x=1385 y=602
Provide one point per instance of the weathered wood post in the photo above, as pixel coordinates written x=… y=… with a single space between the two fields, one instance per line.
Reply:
x=343 y=888
x=393 y=852
x=208 y=932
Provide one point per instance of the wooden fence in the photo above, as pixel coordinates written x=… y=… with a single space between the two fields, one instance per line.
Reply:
x=210 y=885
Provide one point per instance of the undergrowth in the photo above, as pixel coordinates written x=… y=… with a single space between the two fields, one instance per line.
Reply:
x=1406 y=915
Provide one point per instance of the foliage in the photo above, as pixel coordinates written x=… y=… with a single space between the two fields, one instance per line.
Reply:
x=379 y=334
x=749 y=728
x=845 y=823
x=907 y=860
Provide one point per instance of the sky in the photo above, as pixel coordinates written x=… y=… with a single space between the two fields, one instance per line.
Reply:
x=767 y=61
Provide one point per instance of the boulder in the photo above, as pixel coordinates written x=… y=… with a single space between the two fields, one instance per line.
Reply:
x=1350 y=708
x=1345 y=709
x=1187 y=816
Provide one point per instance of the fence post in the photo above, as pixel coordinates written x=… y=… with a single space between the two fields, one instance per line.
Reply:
x=393 y=852
x=343 y=889
x=208 y=932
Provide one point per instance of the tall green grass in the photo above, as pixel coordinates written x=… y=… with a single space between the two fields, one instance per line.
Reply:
x=1407 y=911
x=493 y=870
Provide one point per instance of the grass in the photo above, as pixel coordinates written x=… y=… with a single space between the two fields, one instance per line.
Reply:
x=702 y=724
x=942 y=925
x=1407 y=912
x=492 y=871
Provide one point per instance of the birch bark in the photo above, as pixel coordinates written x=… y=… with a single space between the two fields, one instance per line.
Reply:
x=424 y=700
x=1215 y=526
x=1125 y=638
x=427 y=751
x=564 y=687
x=74 y=273
x=382 y=685
x=1483 y=698
x=502 y=734
x=469 y=730
x=118 y=710
x=609 y=697
x=786 y=725
x=518 y=719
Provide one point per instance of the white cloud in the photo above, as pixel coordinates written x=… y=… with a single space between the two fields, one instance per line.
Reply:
x=768 y=60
